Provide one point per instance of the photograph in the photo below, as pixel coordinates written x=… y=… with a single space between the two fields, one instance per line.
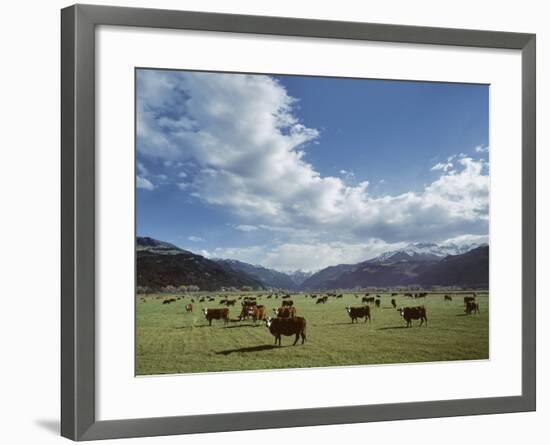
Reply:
x=290 y=221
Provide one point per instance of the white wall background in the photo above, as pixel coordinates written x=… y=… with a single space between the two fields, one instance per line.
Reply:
x=29 y=223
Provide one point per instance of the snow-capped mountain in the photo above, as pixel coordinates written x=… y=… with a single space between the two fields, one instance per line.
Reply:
x=424 y=251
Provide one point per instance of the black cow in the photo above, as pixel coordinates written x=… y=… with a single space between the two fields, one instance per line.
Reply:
x=287 y=326
x=414 y=313
x=358 y=312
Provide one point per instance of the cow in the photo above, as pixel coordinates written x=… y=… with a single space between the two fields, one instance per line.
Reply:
x=189 y=307
x=257 y=313
x=414 y=313
x=468 y=300
x=393 y=303
x=216 y=314
x=245 y=311
x=286 y=296
x=367 y=300
x=322 y=300
x=287 y=326
x=287 y=303
x=230 y=302
x=340 y=296
x=394 y=294
x=472 y=306
x=447 y=298
x=285 y=312
x=201 y=300
x=377 y=302
x=358 y=312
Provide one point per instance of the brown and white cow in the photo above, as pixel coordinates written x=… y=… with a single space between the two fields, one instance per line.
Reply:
x=216 y=314
x=472 y=307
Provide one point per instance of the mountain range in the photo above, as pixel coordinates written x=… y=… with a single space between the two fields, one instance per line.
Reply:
x=161 y=264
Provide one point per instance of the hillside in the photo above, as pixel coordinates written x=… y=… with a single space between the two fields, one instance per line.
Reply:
x=268 y=277
x=399 y=269
x=160 y=264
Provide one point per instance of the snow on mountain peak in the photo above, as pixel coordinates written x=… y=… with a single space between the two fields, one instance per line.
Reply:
x=424 y=251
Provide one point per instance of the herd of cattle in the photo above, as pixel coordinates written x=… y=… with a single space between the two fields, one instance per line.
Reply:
x=283 y=319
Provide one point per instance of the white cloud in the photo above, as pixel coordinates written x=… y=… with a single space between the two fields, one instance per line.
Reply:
x=195 y=239
x=144 y=183
x=307 y=257
x=467 y=239
x=482 y=149
x=442 y=166
x=242 y=133
x=246 y=227
x=182 y=175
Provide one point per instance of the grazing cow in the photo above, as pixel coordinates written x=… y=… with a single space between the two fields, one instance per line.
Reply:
x=230 y=302
x=322 y=300
x=394 y=294
x=358 y=312
x=287 y=303
x=393 y=303
x=367 y=294
x=192 y=300
x=468 y=300
x=245 y=311
x=257 y=313
x=189 y=307
x=201 y=300
x=216 y=314
x=472 y=306
x=377 y=302
x=447 y=298
x=287 y=326
x=286 y=296
x=414 y=313
x=340 y=296
x=285 y=312
x=367 y=300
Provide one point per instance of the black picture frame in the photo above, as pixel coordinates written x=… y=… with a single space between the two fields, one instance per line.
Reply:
x=78 y=23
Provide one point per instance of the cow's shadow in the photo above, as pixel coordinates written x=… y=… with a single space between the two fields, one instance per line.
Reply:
x=249 y=349
x=391 y=327
x=242 y=326
x=461 y=315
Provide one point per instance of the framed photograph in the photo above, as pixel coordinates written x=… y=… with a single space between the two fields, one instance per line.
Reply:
x=291 y=204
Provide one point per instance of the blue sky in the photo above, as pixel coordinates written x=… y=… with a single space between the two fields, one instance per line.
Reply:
x=296 y=172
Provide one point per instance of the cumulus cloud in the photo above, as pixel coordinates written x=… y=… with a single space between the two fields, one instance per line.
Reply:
x=307 y=257
x=144 y=183
x=442 y=166
x=242 y=134
x=482 y=149
x=141 y=181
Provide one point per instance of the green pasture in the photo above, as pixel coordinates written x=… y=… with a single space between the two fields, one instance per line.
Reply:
x=169 y=340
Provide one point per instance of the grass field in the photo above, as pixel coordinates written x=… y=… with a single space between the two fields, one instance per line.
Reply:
x=171 y=341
